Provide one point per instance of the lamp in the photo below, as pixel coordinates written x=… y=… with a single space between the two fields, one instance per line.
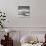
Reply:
x=7 y=31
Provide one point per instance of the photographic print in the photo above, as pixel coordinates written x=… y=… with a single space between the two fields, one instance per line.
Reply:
x=24 y=10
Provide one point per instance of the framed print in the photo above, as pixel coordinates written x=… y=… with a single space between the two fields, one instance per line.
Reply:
x=24 y=10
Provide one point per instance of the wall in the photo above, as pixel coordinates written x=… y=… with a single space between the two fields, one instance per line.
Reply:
x=39 y=13
x=37 y=18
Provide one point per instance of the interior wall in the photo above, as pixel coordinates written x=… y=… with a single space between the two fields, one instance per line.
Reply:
x=37 y=17
x=39 y=13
